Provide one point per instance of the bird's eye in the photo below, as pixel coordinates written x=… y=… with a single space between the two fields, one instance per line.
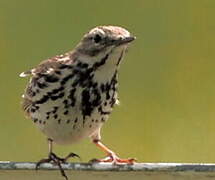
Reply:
x=97 y=38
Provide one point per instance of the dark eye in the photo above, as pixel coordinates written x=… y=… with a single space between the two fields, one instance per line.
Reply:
x=97 y=38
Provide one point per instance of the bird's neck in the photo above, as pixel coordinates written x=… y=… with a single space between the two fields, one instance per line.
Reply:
x=103 y=66
x=108 y=65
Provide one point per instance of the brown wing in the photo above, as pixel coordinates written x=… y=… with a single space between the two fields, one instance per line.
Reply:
x=48 y=68
x=43 y=67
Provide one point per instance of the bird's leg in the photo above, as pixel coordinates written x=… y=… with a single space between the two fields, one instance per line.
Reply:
x=111 y=156
x=53 y=158
x=46 y=160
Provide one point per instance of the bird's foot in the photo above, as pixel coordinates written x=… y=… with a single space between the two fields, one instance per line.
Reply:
x=70 y=155
x=53 y=158
x=113 y=158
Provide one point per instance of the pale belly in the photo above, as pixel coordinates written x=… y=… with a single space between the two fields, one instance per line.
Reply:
x=67 y=127
x=69 y=119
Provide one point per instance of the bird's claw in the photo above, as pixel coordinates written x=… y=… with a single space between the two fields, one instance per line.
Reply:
x=113 y=158
x=53 y=158
x=70 y=155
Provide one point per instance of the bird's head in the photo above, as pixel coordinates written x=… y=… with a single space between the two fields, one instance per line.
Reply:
x=103 y=39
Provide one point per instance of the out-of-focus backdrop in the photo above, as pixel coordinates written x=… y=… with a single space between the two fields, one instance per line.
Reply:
x=167 y=80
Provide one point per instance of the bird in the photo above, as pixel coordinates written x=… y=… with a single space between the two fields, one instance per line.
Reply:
x=70 y=96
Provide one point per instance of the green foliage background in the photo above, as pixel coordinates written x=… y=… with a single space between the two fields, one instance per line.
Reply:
x=167 y=80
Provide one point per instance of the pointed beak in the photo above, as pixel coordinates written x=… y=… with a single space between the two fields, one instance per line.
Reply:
x=125 y=40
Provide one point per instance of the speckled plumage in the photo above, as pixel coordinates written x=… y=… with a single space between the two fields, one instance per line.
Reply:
x=70 y=96
x=69 y=104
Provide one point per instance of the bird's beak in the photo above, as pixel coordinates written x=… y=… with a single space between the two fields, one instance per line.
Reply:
x=125 y=40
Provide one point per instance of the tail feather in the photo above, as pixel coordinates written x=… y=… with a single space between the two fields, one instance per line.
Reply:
x=26 y=73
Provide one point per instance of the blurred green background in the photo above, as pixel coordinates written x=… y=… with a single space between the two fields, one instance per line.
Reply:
x=167 y=80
